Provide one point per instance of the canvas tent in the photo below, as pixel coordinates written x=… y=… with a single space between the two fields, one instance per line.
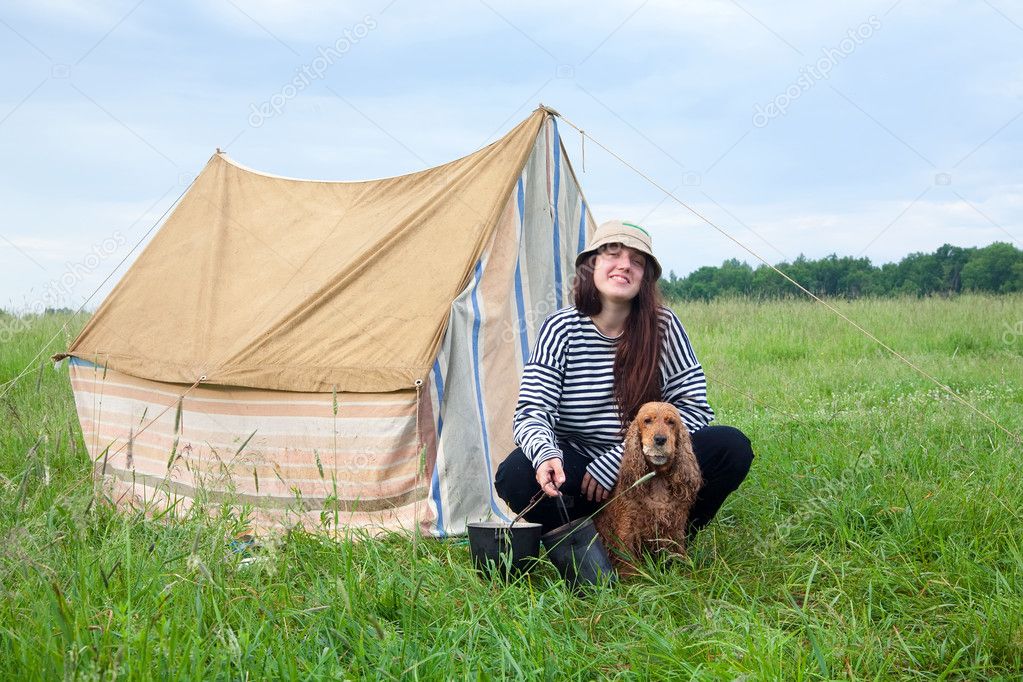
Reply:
x=333 y=352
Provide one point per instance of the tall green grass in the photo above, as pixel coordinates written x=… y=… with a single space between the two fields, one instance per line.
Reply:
x=878 y=536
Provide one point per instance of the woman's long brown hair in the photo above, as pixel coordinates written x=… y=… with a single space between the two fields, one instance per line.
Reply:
x=638 y=353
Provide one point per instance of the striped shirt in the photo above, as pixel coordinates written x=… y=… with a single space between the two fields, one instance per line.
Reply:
x=566 y=391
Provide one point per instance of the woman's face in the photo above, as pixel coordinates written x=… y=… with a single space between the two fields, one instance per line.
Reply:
x=618 y=272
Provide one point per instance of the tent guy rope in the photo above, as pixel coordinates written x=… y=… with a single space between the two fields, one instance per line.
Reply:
x=10 y=384
x=806 y=291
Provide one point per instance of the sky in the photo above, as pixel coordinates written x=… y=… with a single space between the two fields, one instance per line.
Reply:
x=857 y=128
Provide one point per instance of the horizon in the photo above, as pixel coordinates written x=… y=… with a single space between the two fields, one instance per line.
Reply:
x=833 y=254
x=665 y=276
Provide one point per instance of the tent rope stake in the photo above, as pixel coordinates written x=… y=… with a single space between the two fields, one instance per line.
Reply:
x=806 y=291
x=420 y=460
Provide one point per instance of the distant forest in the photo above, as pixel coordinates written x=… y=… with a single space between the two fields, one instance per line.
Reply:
x=950 y=270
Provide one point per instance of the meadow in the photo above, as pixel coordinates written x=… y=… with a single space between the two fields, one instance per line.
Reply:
x=879 y=536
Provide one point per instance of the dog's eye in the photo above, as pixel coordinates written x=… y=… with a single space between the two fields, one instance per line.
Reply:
x=648 y=420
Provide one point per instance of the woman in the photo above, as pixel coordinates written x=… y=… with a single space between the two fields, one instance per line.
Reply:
x=593 y=366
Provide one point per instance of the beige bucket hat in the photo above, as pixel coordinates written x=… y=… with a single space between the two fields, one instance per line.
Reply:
x=627 y=234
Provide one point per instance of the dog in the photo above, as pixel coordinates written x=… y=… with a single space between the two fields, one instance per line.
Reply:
x=654 y=514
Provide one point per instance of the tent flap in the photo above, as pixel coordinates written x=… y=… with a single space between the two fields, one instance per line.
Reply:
x=275 y=283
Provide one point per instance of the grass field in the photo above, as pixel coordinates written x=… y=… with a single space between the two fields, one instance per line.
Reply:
x=878 y=536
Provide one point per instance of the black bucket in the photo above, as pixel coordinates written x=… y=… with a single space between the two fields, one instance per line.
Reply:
x=577 y=552
x=507 y=549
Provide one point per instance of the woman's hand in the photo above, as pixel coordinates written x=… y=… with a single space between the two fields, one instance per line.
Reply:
x=550 y=475
x=593 y=490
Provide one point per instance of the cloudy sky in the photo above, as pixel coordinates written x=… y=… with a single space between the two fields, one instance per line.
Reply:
x=873 y=128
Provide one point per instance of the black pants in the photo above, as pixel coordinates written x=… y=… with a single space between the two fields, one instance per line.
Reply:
x=724 y=453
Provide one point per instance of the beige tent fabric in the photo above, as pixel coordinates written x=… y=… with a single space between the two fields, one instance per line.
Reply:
x=298 y=285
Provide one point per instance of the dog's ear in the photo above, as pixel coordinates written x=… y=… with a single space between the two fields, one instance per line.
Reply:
x=633 y=465
x=687 y=467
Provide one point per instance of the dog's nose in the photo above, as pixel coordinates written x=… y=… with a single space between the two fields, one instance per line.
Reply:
x=660 y=440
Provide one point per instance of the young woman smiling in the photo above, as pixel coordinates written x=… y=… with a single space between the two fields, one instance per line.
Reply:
x=593 y=366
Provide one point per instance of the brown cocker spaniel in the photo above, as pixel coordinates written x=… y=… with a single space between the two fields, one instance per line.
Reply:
x=653 y=515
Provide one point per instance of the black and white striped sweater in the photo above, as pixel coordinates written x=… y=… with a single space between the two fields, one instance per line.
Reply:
x=566 y=391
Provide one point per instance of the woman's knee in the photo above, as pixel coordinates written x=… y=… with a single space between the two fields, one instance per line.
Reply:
x=515 y=479
x=725 y=453
x=738 y=452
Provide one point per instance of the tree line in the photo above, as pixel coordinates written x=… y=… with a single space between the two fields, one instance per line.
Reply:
x=996 y=268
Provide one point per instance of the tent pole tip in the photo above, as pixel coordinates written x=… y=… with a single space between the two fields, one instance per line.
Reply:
x=549 y=110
